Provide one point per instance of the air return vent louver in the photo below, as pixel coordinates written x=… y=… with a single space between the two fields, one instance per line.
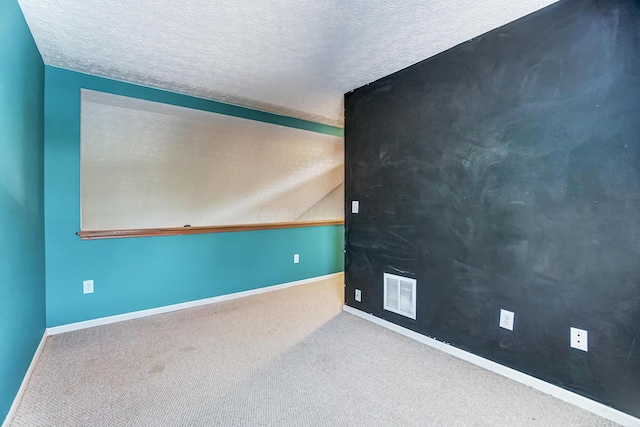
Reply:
x=400 y=295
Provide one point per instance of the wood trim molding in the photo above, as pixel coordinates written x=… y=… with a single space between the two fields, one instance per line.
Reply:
x=149 y=232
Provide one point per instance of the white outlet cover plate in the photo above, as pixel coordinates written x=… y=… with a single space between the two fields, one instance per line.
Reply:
x=358 y=295
x=579 y=339
x=87 y=287
x=506 y=319
x=355 y=206
x=296 y=258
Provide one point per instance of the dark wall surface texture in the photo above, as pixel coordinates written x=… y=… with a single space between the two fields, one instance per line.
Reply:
x=504 y=173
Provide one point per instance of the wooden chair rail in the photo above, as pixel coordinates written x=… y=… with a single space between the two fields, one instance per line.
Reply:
x=175 y=231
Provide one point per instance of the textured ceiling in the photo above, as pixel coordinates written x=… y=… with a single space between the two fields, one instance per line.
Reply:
x=294 y=57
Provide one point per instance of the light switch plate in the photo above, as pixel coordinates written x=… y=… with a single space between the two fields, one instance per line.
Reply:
x=355 y=206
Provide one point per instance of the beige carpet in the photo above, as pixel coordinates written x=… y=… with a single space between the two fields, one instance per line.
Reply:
x=285 y=358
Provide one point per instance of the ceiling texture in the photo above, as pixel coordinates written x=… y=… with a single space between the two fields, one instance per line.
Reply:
x=291 y=57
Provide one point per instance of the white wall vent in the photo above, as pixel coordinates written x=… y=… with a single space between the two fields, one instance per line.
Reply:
x=400 y=295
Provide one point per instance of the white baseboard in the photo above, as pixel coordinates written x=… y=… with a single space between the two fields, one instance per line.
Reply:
x=25 y=381
x=55 y=330
x=543 y=386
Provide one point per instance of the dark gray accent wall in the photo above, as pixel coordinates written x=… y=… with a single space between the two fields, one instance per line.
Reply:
x=505 y=173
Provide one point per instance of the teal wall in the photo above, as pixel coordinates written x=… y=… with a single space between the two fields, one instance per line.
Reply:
x=141 y=273
x=22 y=291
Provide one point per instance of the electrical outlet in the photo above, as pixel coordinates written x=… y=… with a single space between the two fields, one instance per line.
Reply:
x=506 y=319
x=579 y=339
x=355 y=206
x=87 y=287
x=358 y=295
x=296 y=258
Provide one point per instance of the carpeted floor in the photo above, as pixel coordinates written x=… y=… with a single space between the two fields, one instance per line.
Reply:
x=284 y=358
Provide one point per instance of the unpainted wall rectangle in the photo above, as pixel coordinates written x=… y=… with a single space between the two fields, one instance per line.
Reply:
x=147 y=164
